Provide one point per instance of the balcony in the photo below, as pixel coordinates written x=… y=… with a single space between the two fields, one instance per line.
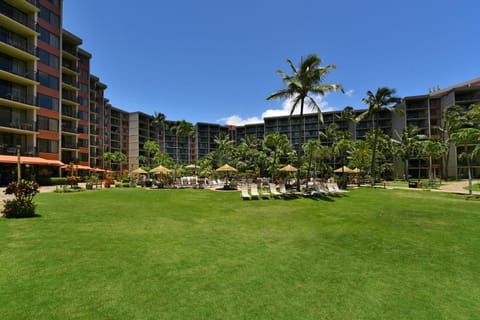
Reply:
x=9 y=149
x=21 y=125
x=25 y=99
x=69 y=66
x=17 y=41
x=70 y=81
x=69 y=96
x=69 y=112
x=69 y=145
x=470 y=96
x=69 y=129
x=19 y=70
x=17 y=15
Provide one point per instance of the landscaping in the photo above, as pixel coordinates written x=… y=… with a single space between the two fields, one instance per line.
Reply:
x=132 y=253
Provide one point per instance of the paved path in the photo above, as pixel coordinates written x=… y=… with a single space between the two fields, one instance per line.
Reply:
x=458 y=187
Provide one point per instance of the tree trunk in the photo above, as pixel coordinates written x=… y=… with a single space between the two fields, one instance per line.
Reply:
x=374 y=157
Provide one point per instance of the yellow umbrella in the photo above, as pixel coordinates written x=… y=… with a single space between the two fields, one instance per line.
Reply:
x=160 y=169
x=289 y=168
x=344 y=169
x=356 y=170
x=226 y=168
x=139 y=171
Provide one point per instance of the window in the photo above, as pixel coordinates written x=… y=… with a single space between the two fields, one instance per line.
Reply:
x=83 y=143
x=45 y=123
x=48 y=146
x=83 y=87
x=49 y=16
x=83 y=60
x=48 y=59
x=48 y=37
x=56 y=3
x=48 y=80
x=84 y=74
x=83 y=101
x=82 y=115
x=47 y=102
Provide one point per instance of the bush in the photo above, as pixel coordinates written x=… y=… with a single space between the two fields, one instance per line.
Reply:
x=52 y=181
x=22 y=206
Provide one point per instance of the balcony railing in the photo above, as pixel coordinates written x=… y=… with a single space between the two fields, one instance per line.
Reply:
x=69 y=96
x=69 y=113
x=9 y=149
x=15 y=69
x=23 y=125
x=17 y=42
x=26 y=98
x=16 y=15
x=70 y=81
x=69 y=129
x=69 y=145
x=69 y=65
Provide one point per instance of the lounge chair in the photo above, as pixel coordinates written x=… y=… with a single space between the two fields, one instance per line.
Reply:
x=274 y=192
x=244 y=194
x=254 y=191
x=264 y=193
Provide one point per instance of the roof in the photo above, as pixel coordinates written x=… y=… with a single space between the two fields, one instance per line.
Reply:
x=30 y=160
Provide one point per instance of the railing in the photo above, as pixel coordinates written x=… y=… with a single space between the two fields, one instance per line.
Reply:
x=69 y=113
x=18 y=43
x=467 y=96
x=30 y=126
x=8 y=149
x=68 y=65
x=26 y=98
x=13 y=68
x=16 y=15
x=70 y=81
x=69 y=96
x=69 y=145
x=69 y=129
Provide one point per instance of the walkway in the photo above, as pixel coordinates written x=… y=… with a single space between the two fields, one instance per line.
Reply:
x=458 y=187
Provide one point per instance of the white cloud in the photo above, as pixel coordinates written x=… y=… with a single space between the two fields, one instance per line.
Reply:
x=349 y=93
x=284 y=111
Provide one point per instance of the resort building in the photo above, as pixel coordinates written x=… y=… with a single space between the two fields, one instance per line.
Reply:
x=54 y=113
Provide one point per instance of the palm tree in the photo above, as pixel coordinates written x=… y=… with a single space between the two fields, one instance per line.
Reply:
x=360 y=156
x=224 y=150
x=116 y=157
x=158 y=122
x=182 y=129
x=433 y=149
x=342 y=149
x=405 y=145
x=382 y=99
x=465 y=137
x=453 y=120
x=311 y=149
x=152 y=148
x=305 y=79
x=279 y=144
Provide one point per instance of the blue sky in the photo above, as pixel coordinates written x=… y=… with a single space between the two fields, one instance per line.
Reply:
x=215 y=60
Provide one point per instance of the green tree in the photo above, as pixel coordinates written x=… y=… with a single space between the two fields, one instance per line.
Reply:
x=433 y=149
x=405 y=145
x=311 y=150
x=158 y=122
x=279 y=145
x=360 y=156
x=183 y=129
x=453 y=120
x=383 y=98
x=151 y=148
x=466 y=137
x=305 y=80
x=116 y=157
x=342 y=149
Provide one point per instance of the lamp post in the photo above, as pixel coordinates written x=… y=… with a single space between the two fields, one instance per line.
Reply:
x=19 y=171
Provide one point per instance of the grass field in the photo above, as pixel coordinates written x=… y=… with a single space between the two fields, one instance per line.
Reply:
x=200 y=254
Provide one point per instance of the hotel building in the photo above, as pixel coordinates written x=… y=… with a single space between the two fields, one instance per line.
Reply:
x=54 y=111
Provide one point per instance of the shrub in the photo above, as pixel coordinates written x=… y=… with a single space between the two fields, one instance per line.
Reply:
x=22 y=206
x=52 y=181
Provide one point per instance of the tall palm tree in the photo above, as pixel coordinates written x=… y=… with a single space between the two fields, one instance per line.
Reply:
x=311 y=149
x=158 y=122
x=453 y=120
x=182 y=129
x=433 y=149
x=405 y=145
x=383 y=98
x=303 y=81
x=465 y=137
x=279 y=145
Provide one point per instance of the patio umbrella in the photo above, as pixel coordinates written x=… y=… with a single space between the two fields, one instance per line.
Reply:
x=191 y=166
x=288 y=168
x=226 y=168
x=161 y=170
x=344 y=169
x=139 y=171
x=356 y=170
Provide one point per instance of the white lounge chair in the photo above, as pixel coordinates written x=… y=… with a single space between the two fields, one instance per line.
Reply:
x=274 y=192
x=245 y=195
x=254 y=191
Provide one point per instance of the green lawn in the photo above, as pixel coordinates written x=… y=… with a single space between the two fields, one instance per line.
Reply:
x=200 y=254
